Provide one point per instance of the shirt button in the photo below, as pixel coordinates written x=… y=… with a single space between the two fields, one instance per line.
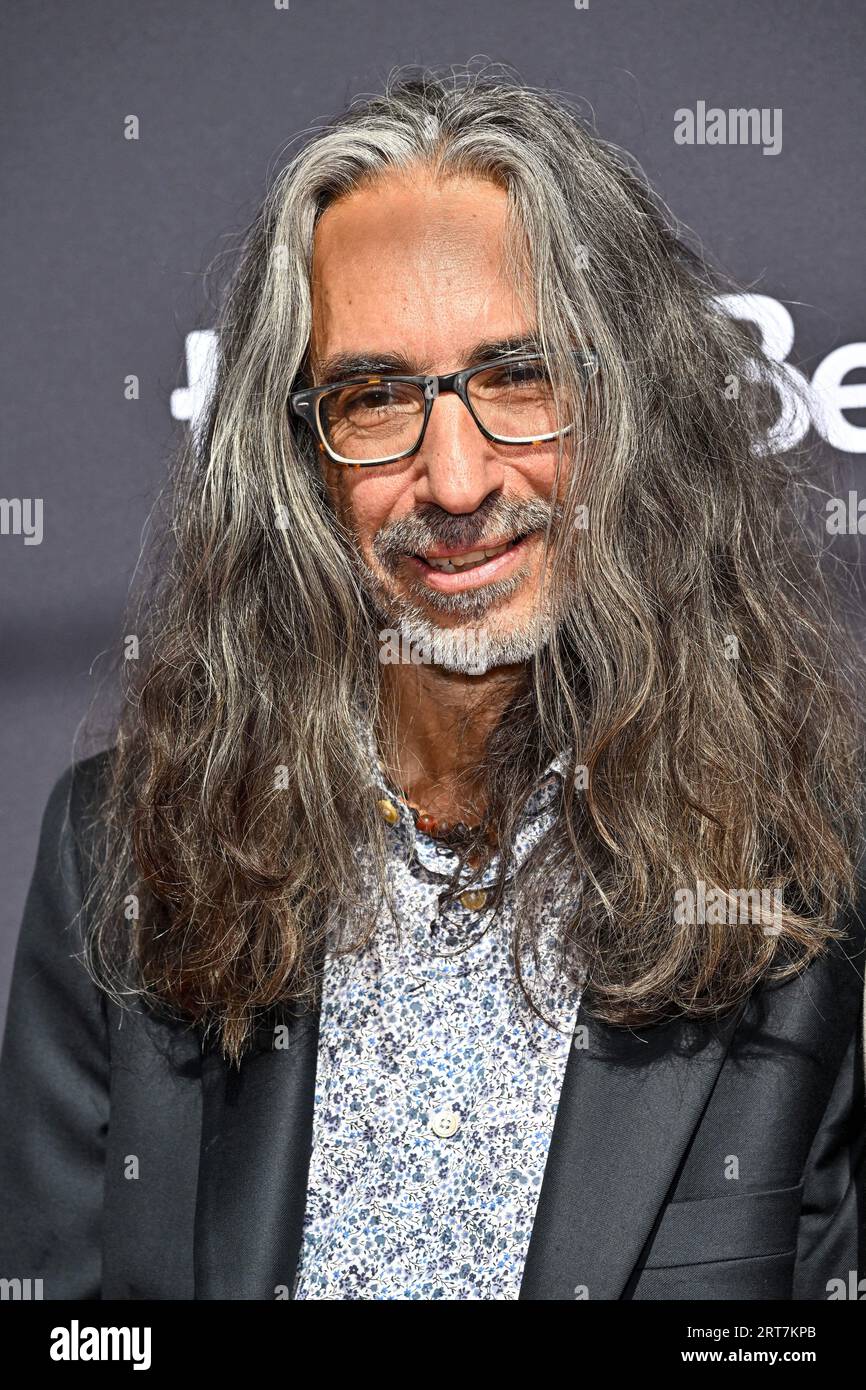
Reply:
x=445 y=1123
x=389 y=810
x=474 y=900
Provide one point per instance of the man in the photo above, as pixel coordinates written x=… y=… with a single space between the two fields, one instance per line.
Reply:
x=473 y=871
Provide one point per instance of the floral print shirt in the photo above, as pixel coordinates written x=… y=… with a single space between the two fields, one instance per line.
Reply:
x=436 y=1086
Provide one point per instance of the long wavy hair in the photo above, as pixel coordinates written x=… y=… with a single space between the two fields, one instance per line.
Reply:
x=698 y=671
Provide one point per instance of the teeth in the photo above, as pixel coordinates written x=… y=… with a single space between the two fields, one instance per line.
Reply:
x=455 y=563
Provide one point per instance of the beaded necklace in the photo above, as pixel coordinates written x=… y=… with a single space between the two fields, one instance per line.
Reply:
x=425 y=821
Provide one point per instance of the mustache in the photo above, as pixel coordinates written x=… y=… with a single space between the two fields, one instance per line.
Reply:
x=431 y=526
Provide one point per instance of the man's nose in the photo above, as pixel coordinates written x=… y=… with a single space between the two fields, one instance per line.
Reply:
x=460 y=466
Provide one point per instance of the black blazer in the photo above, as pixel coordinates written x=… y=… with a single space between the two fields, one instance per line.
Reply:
x=635 y=1203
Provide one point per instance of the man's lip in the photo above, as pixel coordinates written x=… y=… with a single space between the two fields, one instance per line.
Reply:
x=464 y=549
x=475 y=577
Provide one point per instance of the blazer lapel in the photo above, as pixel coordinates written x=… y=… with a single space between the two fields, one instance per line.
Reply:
x=628 y=1107
x=256 y=1138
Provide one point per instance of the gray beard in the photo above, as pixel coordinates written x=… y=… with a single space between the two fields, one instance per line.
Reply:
x=476 y=645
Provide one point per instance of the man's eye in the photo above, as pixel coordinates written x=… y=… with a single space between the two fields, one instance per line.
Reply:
x=512 y=376
x=527 y=372
x=386 y=395
x=380 y=395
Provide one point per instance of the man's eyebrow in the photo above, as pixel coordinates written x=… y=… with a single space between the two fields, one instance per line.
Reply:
x=342 y=366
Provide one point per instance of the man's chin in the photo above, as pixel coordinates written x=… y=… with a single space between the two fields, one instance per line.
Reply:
x=464 y=648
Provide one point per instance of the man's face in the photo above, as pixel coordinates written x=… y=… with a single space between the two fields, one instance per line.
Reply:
x=418 y=268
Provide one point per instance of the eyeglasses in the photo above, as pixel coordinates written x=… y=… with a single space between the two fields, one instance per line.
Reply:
x=378 y=419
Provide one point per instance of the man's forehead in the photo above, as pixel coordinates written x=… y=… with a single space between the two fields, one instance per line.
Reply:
x=435 y=237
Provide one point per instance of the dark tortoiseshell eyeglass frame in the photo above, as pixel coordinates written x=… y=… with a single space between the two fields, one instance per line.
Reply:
x=307 y=403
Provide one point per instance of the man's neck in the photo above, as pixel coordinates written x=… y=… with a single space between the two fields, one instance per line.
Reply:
x=441 y=720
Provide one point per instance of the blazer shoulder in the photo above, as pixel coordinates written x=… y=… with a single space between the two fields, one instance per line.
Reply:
x=85 y=782
x=65 y=859
x=72 y=817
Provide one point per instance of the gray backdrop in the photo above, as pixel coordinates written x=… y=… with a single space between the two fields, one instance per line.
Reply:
x=105 y=240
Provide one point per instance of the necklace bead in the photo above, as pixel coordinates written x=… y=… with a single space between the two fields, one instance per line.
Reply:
x=427 y=823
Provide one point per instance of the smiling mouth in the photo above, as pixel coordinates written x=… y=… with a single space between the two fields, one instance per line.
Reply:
x=455 y=564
